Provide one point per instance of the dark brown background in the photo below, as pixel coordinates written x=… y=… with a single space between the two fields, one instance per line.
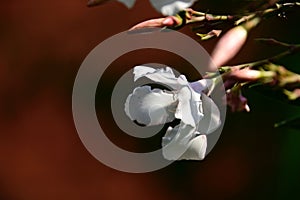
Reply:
x=42 y=44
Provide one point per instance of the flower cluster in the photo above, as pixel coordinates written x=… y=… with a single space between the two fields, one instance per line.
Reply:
x=189 y=102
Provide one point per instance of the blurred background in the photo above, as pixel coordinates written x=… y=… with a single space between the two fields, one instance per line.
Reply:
x=42 y=45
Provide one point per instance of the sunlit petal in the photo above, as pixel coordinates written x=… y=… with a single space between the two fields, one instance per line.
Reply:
x=184 y=143
x=171 y=7
x=175 y=142
x=150 y=107
x=189 y=104
x=196 y=149
x=163 y=76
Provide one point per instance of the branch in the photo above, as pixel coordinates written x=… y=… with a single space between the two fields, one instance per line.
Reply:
x=261 y=72
x=291 y=50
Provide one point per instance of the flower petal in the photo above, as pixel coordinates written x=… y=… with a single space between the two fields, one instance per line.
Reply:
x=128 y=3
x=197 y=149
x=164 y=76
x=184 y=143
x=189 y=108
x=140 y=71
x=189 y=104
x=150 y=107
x=175 y=142
x=171 y=7
x=211 y=120
x=201 y=85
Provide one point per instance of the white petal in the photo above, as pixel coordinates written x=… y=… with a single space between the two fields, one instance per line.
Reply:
x=171 y=7
x=189 y=106
x=211 y=120
x=176 y=140
x=184 y=143
x=140 y=71
x=128 y=3
x=201 y=85
x=196 y=149
x=161 y=76
x=150 y=107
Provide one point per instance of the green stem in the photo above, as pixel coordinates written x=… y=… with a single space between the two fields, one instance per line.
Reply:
x=192 y=16
x=292 y=49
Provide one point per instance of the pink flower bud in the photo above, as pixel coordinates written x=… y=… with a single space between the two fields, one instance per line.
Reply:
x=237 y=101
x=170 y=21
x=231 y=43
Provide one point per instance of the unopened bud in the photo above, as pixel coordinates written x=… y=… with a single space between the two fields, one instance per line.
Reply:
x=170 y=21
x=231 y=43
x=236 y=101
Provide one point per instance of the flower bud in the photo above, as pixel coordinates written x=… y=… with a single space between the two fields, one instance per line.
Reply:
x=236 y=101
x=170 y=21
x=231 y=43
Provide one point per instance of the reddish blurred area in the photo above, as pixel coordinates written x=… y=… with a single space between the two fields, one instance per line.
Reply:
x=42 y=44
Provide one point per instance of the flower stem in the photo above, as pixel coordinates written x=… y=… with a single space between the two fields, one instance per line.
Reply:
x=292 y=49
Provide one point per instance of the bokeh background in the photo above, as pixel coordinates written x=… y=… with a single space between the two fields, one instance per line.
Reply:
x=42 y=44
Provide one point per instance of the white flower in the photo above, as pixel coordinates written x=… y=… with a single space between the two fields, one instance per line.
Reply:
x=171 y=7
x=197 y=112
x=166 y=7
